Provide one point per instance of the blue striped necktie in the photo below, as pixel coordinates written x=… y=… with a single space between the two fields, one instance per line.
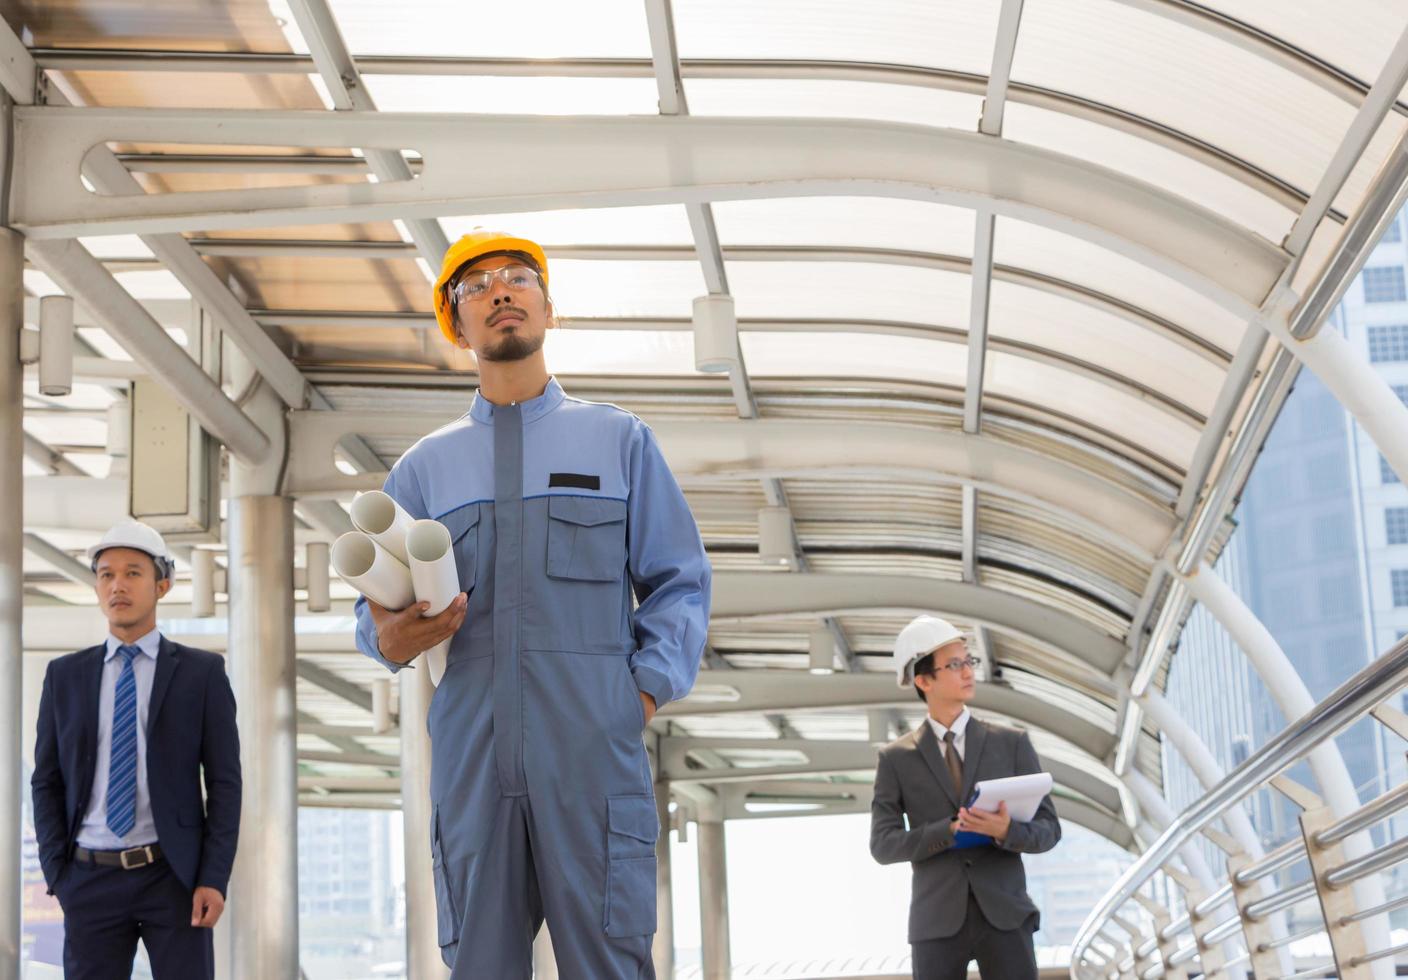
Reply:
x=122 y=769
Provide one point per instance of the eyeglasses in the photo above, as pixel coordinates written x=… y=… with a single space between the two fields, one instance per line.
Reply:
x=955 y=665
x=475 y=285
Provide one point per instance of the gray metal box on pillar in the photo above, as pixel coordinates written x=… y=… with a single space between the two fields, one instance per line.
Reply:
x=174 y=465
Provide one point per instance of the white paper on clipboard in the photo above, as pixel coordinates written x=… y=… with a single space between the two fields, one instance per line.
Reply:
x=1022 y=794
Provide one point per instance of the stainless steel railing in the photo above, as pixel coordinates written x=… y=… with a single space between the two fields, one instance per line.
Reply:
x=1352 y=701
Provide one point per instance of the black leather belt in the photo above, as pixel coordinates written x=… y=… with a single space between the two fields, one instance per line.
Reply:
x=128 y=860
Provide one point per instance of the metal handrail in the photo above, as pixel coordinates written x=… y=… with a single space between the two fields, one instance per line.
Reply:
x=1184 y=921
x=1346 y=705
x=1392 y=905
x=1281 y=858
x=1366 y=816
x=1351 y=871
x=1272 y=904
x=1210 y=904
x=1287 y=940
x=1225 y=929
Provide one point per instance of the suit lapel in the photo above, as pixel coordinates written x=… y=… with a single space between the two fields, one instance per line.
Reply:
x=92 y=693
x=92 y=690
x=933 y=755
x=973 y=740
x=167 y=660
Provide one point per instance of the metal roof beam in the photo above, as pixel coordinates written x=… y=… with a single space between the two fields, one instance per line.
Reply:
x=611 y=161
x=764 y=594
x=344 y=84
x=702 y=451
x=55 y=462
x=64 y=563
x=1379 y=101
x=754 y=691
x=334 y=684
x=1051 y=100
x=1160 y=327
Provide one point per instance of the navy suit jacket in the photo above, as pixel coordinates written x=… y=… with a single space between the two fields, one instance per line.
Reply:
x=190 y=728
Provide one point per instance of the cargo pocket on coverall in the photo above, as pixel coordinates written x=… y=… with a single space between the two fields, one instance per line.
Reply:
x=464 y=541
x=586 y=538
x=447 y=916
x=632 y=828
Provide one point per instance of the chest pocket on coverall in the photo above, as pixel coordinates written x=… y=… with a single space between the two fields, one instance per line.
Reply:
x=463 y=525
x=586 y=538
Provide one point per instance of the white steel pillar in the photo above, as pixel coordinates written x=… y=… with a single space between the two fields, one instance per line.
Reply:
x=713 y=899
x=263 y=899
x=1294 y=699
x=664 y=949
x=1356 y=385
x=423 y=960
x=11 y=593
x=1191 y=746
x=544 y=957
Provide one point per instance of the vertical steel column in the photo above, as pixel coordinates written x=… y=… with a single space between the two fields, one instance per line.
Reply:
x=713 y=899
x=423 y=960
x=11 y=593
x=664 y=950
x=264 y=889
x=544 y=957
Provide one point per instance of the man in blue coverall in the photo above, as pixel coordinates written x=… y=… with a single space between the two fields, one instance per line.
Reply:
x=561 y=510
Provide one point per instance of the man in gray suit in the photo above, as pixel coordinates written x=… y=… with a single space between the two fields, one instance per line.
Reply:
x=969 y=898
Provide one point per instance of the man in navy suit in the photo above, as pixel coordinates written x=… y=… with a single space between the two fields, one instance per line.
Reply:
x=126 y=730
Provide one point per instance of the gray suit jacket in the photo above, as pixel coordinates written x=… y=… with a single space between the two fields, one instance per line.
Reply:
x=912 y=782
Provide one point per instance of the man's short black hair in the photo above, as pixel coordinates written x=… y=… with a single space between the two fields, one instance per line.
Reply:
x=923 y=665
x=164 y=569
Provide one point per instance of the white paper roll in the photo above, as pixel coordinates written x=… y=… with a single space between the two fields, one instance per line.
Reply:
x=379 y=517
x=435 y=579
x=369 y=568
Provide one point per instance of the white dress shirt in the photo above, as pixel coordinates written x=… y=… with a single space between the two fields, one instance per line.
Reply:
x=960 y=728
x=94 y=833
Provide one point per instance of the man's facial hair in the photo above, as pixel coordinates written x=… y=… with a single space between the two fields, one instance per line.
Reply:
x=512 y=347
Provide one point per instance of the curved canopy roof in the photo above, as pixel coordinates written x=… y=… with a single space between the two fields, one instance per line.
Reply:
x=1000 y=272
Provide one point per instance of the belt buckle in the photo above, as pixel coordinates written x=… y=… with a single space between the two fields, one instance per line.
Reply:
x=144 y=851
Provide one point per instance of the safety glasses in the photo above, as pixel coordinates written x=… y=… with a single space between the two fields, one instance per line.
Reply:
x=475 y=285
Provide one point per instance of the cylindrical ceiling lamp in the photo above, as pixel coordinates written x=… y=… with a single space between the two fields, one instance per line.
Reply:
x=316 y=561
x=776 y=546
x=381 y=706
x=119 y=439
x=202 y=583
x=56 y=345
x=715 y=334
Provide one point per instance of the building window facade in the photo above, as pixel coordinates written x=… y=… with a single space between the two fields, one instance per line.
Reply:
x=1388 y=343
x=1396 y=525
x=1384 y=284
x=1399 y=581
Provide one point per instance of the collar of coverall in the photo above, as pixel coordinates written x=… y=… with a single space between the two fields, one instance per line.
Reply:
x=483 y=410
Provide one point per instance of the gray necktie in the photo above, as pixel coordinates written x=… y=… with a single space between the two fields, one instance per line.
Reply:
x=955 y=764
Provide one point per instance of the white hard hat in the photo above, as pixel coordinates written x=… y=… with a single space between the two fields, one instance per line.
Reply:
x=921 y=637
x=135 y=534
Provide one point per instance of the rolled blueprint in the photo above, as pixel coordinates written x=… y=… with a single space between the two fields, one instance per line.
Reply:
x=369 y=568
x=379 y=517
x=435 y=580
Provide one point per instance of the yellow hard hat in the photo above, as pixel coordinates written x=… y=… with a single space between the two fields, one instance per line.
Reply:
x=470 y=247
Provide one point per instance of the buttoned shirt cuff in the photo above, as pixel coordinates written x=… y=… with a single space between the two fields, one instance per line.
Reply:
x=654 y=683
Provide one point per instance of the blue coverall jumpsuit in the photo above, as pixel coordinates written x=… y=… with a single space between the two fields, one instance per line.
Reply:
x=540 y=785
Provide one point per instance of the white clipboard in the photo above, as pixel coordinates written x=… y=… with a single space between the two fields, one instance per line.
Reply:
x=1022 y=794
